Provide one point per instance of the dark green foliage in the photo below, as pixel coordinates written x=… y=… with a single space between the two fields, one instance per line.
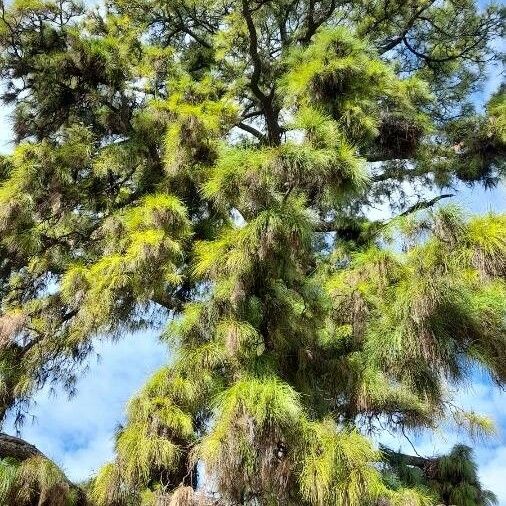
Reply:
x=453 y=477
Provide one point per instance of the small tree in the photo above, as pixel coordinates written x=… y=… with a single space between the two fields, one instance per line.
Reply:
x=216 y=164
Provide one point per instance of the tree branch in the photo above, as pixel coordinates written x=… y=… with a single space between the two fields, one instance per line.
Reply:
x=266 y=100
x=313 y=24
x=410 y=460
x=390 y=44
x=430 y=59
x=251 y=130
x=186 y=29
x=425 y=204
x=16 y=448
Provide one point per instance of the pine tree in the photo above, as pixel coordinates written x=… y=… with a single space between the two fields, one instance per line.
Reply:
x=212 y=166
x=453 y=478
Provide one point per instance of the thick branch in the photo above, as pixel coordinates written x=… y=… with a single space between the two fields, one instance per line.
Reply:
x=186 y=29
x=425 y=204
x=16 y=448
x=253 y=51
x=410 y=460
x=251 y=130
x=266 y=100
x=313 y=23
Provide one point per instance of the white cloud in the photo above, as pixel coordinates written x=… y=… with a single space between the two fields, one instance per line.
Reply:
x=493 y=473
x=77 y=433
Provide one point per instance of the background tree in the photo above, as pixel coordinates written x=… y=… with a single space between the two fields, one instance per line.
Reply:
x=214 y=164
x=453 y=477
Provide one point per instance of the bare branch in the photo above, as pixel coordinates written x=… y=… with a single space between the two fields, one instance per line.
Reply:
x=425 y=204
x=251 y=130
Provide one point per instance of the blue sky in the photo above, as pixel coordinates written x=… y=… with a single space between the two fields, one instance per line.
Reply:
x=77 y=433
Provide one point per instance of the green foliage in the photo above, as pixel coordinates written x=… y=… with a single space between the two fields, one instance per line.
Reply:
x=141 y=450
x=213 y=165
x=481 y=141
x=35 y=479
x=8 y=473
x=107 y=488
x=336 y=466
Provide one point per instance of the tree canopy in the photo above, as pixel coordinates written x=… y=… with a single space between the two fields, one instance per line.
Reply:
x=213 y=168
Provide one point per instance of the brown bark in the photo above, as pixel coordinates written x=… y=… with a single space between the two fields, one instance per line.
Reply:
x=16 y=448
